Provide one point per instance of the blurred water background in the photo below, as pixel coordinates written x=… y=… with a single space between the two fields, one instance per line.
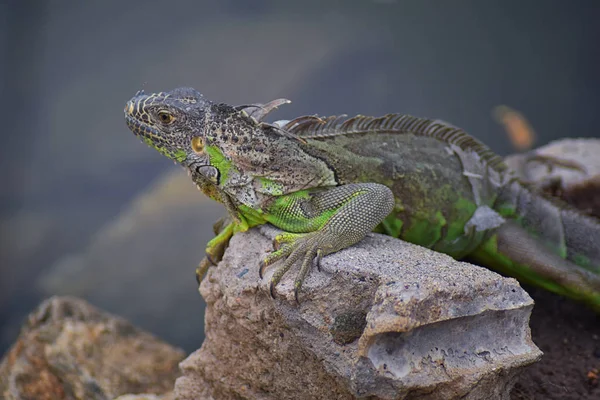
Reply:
x=86 y=209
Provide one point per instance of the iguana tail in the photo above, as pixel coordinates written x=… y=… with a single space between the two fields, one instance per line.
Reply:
x=547 y=243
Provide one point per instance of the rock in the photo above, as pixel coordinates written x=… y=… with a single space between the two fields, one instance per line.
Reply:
x=168 y=396
x=71 y=350
x=574 y=153
x=567 y=168
x=383 y=320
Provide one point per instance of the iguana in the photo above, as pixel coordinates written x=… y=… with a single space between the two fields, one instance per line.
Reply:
x=328 y=181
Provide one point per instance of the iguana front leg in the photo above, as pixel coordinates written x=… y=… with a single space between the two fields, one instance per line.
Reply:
x=323 y=222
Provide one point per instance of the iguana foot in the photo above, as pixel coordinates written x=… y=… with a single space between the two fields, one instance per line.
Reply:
x=351 y=211
x=292 y=247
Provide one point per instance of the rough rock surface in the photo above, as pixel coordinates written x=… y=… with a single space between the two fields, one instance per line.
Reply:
x=572 y=173
x=576 y=152
x=168 y=396
x=383 y=319
x=71 y=350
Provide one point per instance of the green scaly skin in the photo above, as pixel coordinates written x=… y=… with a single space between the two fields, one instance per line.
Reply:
x=327 y=182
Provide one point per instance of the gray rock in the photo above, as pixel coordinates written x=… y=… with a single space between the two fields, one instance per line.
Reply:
x=579 y=156
x=168 y=396
x=383 y=319
x=566 y=168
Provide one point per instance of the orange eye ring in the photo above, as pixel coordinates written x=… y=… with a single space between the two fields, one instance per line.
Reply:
x=165 y=117
x=197 y=144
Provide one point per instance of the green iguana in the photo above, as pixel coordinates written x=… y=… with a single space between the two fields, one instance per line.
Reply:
x=327 y=182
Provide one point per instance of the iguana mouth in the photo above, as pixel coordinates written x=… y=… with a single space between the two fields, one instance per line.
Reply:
x=139 y=127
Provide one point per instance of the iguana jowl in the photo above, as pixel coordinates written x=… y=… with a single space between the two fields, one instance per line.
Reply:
x=327 y=182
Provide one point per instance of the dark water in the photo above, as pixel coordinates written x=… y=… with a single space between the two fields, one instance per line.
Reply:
x=71 y=169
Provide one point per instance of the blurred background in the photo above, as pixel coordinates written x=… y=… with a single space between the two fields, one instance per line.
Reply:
x=88 y=210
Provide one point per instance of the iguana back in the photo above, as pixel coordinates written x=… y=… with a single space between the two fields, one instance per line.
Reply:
x=438 y=174
x=445 y=182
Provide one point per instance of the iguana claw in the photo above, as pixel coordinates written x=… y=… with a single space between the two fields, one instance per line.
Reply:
x=202 y=268
x=304 y=246
x=210 y=259
x=318 y=259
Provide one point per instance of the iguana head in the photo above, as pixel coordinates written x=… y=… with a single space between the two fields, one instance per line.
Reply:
x=170 y=122
x=228 y=147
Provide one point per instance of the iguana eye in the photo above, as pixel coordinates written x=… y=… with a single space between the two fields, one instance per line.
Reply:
x=197 y=144
x=165 y=117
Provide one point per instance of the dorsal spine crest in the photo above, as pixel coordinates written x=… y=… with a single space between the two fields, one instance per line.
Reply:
x=314 y=127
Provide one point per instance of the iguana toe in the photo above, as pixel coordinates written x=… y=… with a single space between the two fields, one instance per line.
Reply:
x=306 y=263
x=202 y=268
x=305 y=247
x=273 y=257
x=286 y=238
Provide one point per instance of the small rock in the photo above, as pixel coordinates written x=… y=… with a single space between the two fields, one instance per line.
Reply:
x=566 y=168
x=71 y=350
x=383 y=320
x=168 y=396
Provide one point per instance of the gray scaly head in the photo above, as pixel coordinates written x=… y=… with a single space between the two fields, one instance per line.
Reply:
x=228 y=146
x=190 y=130
x=169 y=121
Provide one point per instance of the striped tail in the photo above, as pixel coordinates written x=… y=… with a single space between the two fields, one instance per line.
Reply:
x=569 y=233
x=546 y=243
